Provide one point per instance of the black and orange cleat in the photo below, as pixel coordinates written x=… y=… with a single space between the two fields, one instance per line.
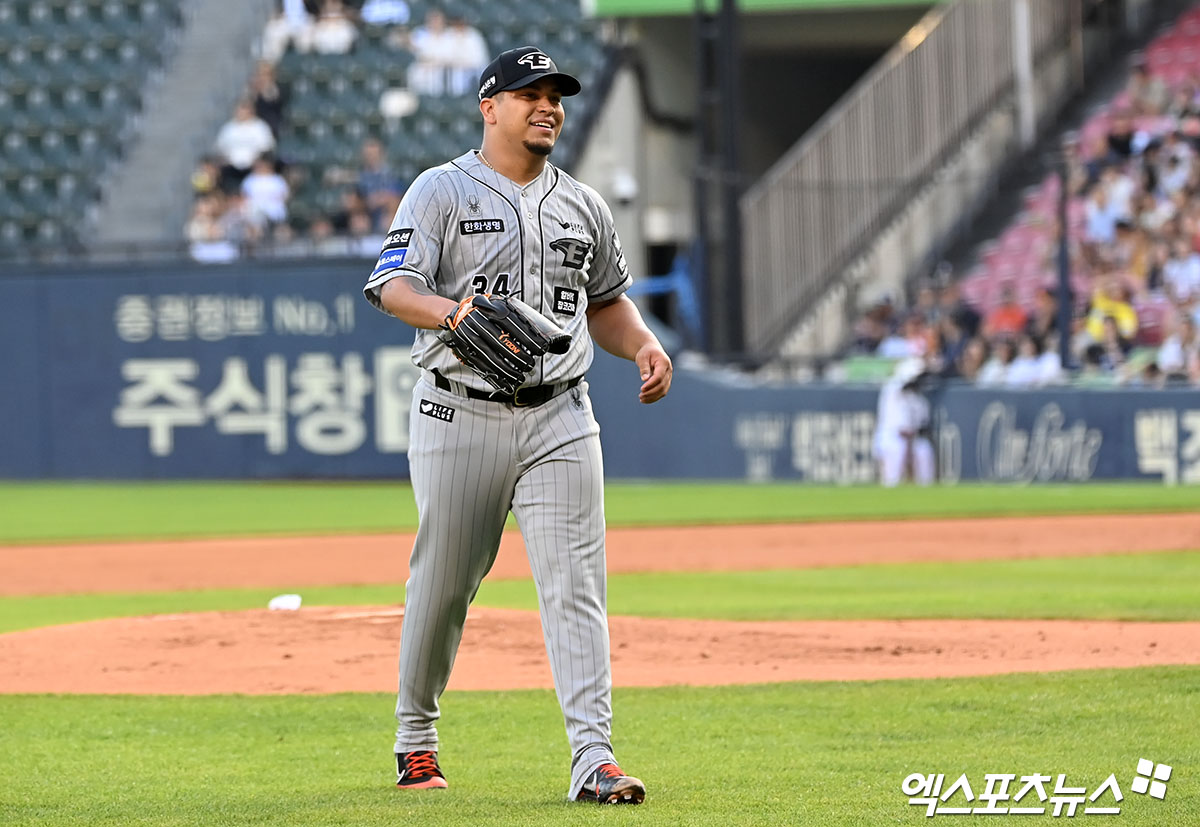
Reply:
x=608 y=785
x=419 y=771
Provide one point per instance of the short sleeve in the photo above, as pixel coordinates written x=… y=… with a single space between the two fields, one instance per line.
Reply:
x=609 y=276
x=413 y=245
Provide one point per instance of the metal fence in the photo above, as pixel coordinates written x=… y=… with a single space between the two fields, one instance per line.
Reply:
x=856 y=168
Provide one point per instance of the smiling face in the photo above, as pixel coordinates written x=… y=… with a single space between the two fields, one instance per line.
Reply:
x=531 y=116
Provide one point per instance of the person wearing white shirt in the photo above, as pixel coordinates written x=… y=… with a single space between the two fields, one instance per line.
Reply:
x=244 y=138
x=1181 y=273
x=266 y=193
x=434 y=50
x=469 y=55
x=902 y=426
x=1179 y=349
x=1034 y=367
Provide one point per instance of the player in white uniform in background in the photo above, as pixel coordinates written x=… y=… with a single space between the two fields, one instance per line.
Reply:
x=902 y=427
x=502 y=219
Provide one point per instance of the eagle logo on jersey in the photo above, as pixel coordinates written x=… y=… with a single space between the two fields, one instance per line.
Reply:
x=536 y=61
x=574 y=252
x=473 y=205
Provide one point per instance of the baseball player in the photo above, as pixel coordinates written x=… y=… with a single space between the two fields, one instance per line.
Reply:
x=902 y=427
x=497 y=221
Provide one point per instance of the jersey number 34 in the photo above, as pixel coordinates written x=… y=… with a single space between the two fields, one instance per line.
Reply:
x=479 y=283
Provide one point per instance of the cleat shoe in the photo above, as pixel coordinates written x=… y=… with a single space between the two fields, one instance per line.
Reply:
x=608 y=785
x=419 y=771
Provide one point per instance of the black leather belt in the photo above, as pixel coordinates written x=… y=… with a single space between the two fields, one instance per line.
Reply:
x=523 y=398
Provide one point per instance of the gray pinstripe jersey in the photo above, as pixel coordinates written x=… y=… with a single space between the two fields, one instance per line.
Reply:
x=463 y=228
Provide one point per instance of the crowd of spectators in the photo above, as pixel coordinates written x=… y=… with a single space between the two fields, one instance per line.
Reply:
x=1134 y=180
x=242 y=188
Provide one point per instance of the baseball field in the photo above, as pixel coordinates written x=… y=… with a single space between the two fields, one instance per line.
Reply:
x=782 y=654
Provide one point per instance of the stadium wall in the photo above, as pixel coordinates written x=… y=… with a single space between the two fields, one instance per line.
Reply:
x=284 y=371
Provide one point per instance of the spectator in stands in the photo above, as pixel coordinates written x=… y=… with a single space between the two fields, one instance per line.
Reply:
x=1110 y=300
x=1043 y=319
x=1122 y=136
x=364 y=238
x=1179 y=353
x=926 y=304
x=1093 y=373
x=324 y=239
x=1100 y=217
x=290 y=25
x=352 y=204
x=385 y=13
x=951 y=341
x=873 y=327
x=238 y=225
x=911 y=340
x=1007 y=319
x=995 y=369
x=952 y=304
x=971 y=361
x=470 y=55
x=433 y=52
x=240 y=142
x=206 y=177
x=379 y=187
x=1181 y=274
x=1034 y=366
x=1147 y=93
x=1130 y=253
x=334 y=32
x=1114 y=347
x=269 y=97
x=266 y=193
x=205 y=232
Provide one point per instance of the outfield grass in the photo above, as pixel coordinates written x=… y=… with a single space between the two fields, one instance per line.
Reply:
x=47 y=512
x=818 y=754
x=1162 y=586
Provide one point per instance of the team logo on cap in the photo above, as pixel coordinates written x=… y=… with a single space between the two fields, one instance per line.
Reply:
x=536 y=61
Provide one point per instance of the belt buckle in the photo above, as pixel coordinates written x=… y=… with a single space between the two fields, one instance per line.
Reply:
x=517 y=403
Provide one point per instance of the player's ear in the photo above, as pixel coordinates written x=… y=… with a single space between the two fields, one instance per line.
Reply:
x=487 y=108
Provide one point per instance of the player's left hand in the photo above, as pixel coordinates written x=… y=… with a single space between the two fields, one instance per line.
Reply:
x=655 y=367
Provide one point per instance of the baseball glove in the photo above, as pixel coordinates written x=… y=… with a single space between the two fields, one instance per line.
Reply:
x=499 y=337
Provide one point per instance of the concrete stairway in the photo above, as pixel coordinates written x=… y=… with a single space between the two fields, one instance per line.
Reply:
x=148 y=199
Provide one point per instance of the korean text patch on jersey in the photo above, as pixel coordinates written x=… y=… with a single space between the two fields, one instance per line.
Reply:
x=566 y=301
x=397 y=239
x=482 y=225
x=389 y=260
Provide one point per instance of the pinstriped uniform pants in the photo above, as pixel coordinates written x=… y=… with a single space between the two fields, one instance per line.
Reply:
x=543 y=464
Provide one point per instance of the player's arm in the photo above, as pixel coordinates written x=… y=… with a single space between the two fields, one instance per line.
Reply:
x=617 y=326
x=412 y=302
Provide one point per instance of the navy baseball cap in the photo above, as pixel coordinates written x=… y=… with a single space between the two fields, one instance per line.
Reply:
x=521 y=67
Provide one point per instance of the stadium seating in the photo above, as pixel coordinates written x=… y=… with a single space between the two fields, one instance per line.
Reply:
x=1023 y=256
x=334 y=99
x=71 y=80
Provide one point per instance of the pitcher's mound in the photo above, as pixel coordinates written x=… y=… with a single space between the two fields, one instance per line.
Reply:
x=324 y=649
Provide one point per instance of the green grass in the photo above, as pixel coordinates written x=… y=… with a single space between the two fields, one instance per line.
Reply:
x=818 y=754
x=1162 y=586
x=48 y=512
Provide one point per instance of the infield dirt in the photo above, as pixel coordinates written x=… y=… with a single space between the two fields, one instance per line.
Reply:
x=330 y=649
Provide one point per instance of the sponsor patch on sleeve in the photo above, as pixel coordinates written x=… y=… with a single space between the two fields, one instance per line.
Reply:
x=397 y=239
x=389 y=260
x=566 y=301
x=481 y=225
